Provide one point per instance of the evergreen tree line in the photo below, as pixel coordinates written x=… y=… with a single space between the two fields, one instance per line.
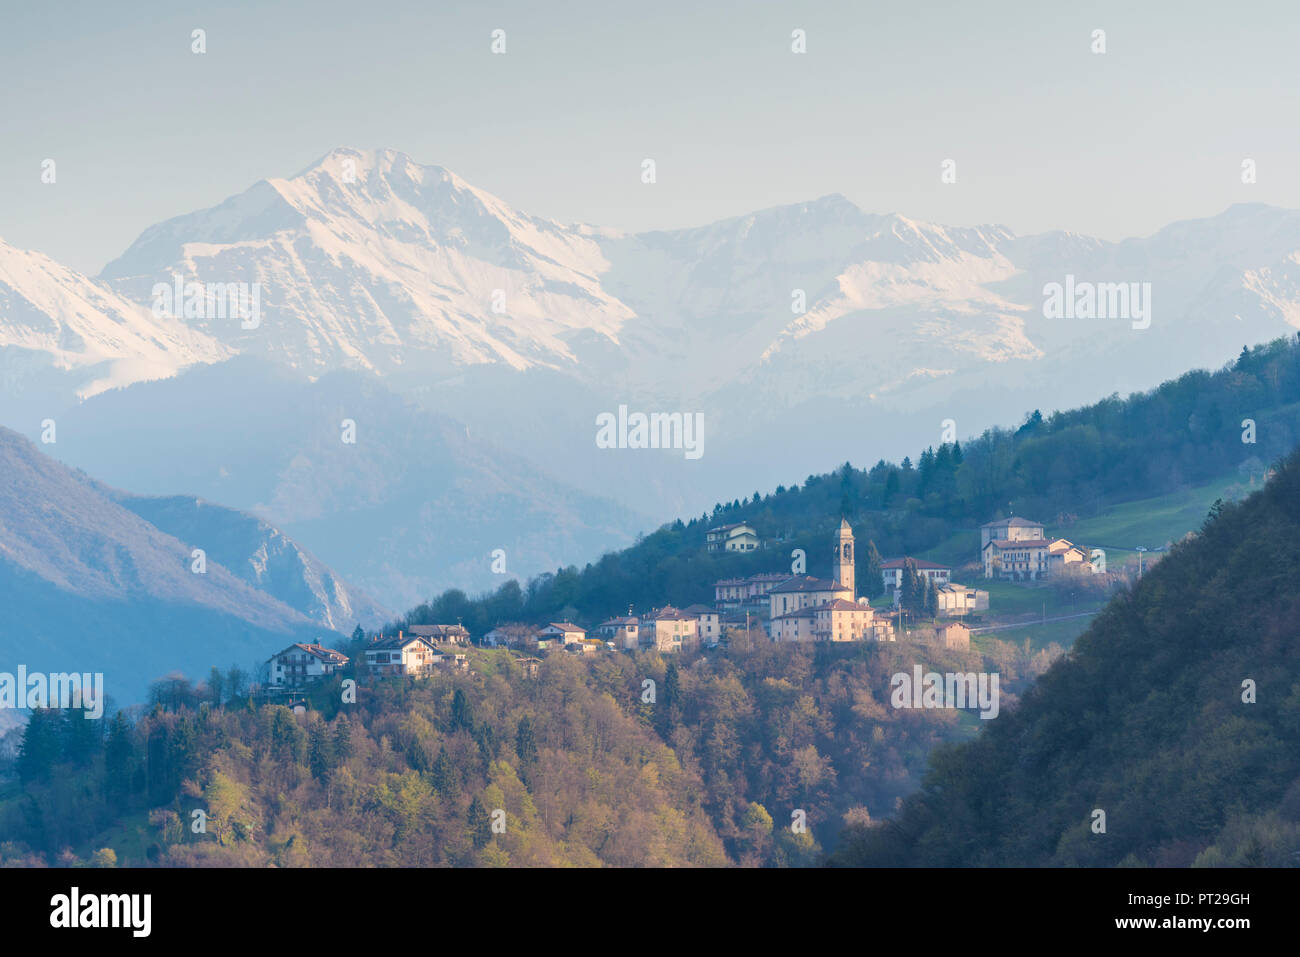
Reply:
x=1176 y=715
x=1185 y=432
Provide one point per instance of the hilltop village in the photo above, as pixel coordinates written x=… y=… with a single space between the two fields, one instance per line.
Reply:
x=787 y=607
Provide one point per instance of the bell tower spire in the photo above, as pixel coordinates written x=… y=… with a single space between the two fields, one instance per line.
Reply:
x=844 y=559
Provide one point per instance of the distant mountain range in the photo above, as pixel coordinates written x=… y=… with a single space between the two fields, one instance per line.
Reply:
x=370 y=260
x=92 y=579
x=805 y=334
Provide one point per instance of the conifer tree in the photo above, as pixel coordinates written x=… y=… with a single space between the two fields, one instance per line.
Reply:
x=342 y=738
x=526 y=741
x=39 y=751
x=872 y=584
x=480 y=827
x=462 y=712
x=672 y=684
x=320 y=756
x=119 y=757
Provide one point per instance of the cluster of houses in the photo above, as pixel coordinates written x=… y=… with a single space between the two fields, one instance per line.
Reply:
x=789 y=607
x=418 y=651
x=665 y=629
x=1011 y=549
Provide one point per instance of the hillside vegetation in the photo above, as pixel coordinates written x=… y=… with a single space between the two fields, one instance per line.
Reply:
x=1176 y=714
x=591 y=765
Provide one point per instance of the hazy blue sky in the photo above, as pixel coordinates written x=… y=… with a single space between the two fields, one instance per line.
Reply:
x=1045 y=133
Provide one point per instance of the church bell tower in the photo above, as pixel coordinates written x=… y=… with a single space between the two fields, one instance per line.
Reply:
x=843 y=563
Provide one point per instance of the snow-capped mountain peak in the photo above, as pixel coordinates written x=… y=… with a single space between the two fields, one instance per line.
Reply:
x=52 y=316
x=368 y=259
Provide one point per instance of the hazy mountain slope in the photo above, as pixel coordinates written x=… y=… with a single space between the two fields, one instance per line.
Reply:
x=1146 y=721
x=417 y=504
x=88 y=585
x=261 y=555
x=908 y=324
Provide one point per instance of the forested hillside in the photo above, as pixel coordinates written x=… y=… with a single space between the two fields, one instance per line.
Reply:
x=1057 y=468
x=590 y=767
x=1177 y=714
x=712 y=763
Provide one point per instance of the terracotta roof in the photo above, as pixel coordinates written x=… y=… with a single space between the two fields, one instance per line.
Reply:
x=727 y=528
x=1005 y=543
x=758 y=579
x=669 y=613
x=397 y=641
x=920 y=563
x=437 y=631
x=327 y=655
x=698 y=609
x=799 y=613
x=843 y=604
x=1066 y=542
x=565 y=626
x=807 y=583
